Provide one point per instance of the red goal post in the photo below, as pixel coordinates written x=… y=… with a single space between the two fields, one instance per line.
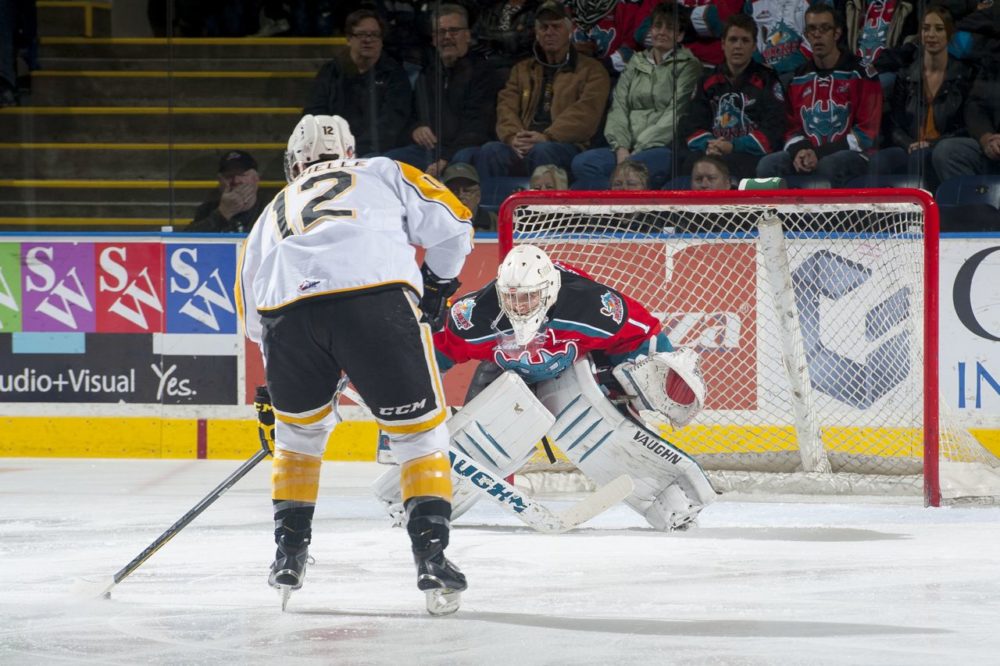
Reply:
x=816 y=316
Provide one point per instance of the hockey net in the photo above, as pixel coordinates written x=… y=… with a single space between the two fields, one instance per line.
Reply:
x=815 y=314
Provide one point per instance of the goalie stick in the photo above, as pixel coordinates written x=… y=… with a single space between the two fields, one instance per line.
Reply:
x=103 y=588
x=486 y=436
x=529 y=510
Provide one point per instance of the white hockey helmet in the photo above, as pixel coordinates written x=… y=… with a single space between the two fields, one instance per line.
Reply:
x=317 y=139
x=527 y=285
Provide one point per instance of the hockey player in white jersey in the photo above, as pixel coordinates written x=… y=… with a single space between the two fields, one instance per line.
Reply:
x=329 y=286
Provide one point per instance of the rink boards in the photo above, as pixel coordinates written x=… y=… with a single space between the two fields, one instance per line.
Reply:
x=128 y=345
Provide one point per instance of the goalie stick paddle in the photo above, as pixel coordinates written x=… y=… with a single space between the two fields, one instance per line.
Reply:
x=104 y=587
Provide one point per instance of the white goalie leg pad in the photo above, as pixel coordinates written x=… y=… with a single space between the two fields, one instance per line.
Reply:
x=498 y=429
x=668 y=383
x=670 y=487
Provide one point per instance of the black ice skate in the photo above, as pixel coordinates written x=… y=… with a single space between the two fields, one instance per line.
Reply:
x=442 y=583
x=288 y=569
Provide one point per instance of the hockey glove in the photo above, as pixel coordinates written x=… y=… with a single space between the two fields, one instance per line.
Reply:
x=265 y=419
x=437 y=291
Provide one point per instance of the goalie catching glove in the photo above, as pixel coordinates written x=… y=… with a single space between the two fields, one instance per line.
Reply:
x=437 y=291
x=668 y=383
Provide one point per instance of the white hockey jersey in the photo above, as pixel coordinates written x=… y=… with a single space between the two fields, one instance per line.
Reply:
x=345 y=226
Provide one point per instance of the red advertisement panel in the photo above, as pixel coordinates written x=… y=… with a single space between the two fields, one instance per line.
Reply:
x=130 y=297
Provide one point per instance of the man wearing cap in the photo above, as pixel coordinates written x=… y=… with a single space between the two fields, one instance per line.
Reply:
x=463 y=181
x=551 y=105
x=237 y=204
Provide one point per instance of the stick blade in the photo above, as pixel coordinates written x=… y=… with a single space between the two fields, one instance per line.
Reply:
x=597 y=502
x=90 y=588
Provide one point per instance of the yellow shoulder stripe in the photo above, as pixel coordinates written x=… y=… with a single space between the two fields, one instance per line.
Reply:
x=432 y=189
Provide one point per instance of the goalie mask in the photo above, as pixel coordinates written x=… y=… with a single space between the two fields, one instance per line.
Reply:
x=527 y=285
x=317 y=139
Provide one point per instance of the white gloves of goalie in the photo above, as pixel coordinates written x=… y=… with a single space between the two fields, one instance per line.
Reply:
x=667 y=383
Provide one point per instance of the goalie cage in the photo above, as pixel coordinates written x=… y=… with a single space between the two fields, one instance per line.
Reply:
x=816 y=314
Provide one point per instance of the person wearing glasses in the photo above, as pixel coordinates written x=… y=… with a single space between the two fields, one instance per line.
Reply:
x=454 y=101
x=834 y=107
x=364 y=86
x=781 y=40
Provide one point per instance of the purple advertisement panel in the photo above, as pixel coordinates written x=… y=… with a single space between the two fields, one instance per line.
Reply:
x=57 y=281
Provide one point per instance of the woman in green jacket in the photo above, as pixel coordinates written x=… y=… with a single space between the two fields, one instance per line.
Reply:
x=648 y=103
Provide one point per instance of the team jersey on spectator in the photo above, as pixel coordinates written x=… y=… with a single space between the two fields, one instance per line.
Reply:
x=875 y=25
x=875 y=29
x=587 y=316
x=708 y=18
x=780 y=26
x=834 y=109
x=748 y=111
x=619 y=33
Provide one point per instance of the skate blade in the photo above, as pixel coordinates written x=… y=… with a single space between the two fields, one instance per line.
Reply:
x=285 y=592
x=442 y=602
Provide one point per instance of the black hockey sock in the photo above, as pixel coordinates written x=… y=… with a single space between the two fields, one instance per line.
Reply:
x=428 y=522
x=293 y=521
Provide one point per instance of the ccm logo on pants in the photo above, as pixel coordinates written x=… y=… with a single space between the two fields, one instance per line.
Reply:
x=400 y=410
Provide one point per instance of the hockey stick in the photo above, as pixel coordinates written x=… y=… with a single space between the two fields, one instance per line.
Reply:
x=105 y=586
x=529 y=510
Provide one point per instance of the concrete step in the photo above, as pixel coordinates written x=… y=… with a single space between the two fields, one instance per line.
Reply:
x=152 y=161
x=193 y=49
x=68 y=224
x=148 y=124
x=260 y=63
x=79 y=18
x=104 y=205
x=165 y=88
x=181 y=212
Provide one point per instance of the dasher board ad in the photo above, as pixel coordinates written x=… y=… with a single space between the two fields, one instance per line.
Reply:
x=131 y=321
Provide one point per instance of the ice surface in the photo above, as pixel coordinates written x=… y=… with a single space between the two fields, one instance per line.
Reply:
x=832 y=582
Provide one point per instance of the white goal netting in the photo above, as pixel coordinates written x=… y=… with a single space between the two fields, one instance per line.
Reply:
x=810 y=316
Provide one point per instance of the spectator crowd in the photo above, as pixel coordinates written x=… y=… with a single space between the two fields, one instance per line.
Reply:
x=681 y=94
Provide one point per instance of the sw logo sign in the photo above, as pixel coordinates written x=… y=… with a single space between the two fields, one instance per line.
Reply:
x=57 y=287
x=200 y=279
x=130 y=288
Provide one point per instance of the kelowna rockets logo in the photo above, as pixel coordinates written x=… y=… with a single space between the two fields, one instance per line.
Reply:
x=825 y=120
x=730 y=121
x=872 y=41
x=612 y=306
x=602 y=37
x=461 y=313
x=538 y=364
